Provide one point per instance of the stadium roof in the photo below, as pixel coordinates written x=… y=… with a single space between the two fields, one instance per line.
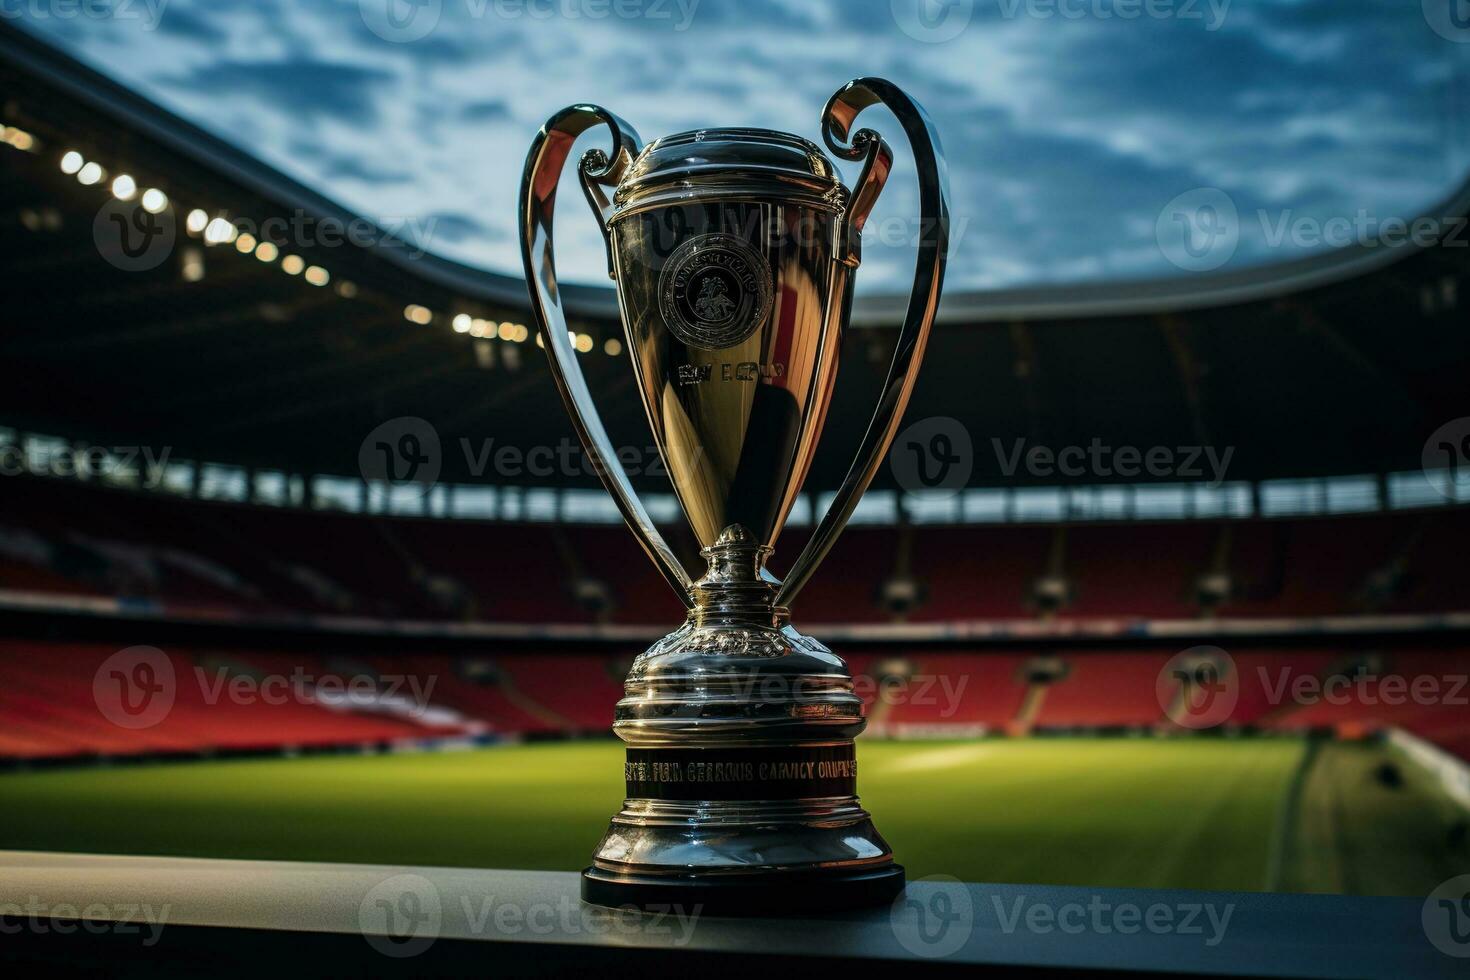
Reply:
x=1341 y=363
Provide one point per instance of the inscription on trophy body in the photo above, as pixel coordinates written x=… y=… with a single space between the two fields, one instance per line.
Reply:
x=744 y=774
x=698 y=374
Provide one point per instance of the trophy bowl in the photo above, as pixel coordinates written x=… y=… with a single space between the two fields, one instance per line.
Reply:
x=733 y=252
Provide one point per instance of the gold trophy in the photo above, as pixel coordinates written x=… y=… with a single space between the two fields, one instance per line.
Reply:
x=734 y=252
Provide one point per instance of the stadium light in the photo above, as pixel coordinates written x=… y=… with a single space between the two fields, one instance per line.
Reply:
x=193 y=267
x=71 y=162
x=219 y=231
x=18 y=138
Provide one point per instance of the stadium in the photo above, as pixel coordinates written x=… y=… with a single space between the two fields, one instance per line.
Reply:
x=1162 y=586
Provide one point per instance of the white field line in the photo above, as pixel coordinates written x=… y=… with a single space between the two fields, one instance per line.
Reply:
x=950 y=757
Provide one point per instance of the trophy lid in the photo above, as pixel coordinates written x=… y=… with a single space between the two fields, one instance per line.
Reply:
x=729 y=164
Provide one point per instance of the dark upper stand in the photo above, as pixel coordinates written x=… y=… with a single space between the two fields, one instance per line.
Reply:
x=92 y=913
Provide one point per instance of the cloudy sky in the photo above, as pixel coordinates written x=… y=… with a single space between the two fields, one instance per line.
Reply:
x=1071 y=126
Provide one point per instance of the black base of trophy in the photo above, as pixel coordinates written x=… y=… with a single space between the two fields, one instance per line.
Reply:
x=754 y=894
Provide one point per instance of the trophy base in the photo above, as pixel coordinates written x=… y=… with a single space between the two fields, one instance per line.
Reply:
x=740 y=770
x=746 y=894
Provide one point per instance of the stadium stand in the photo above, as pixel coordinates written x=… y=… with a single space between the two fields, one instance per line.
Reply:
x=958 y=689
x=68 y=538
x=48 y=697
x=1103 y=690
x=51 y=707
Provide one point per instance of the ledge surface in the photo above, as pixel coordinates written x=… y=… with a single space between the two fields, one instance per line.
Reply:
x=222 y=916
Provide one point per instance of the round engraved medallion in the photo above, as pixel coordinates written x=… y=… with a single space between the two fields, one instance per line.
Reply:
x=715 y=291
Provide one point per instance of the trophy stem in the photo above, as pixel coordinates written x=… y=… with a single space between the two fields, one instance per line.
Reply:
x=741 y=769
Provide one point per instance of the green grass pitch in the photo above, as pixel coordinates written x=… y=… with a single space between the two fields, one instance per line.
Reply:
x=1248 y=814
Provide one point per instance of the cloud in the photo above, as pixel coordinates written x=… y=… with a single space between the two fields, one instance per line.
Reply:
x=456 y=227
x=489 y=110
x=299 y=85
x=1065 y=136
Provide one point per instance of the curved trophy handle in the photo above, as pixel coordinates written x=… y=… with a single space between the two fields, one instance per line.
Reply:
x=838 y=134
x=537 y=207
